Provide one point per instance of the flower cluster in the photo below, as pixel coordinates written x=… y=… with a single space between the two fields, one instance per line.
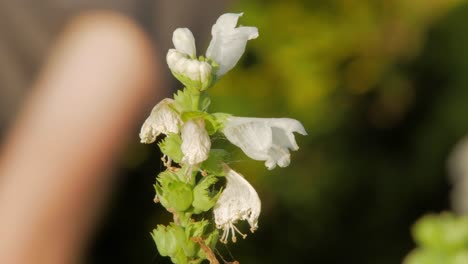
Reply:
x=189 y=186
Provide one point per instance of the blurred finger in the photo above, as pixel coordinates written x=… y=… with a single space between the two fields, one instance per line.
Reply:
x=53 y=166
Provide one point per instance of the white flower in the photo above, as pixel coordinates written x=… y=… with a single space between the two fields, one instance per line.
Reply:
x=268 y=139
x=162 y=120
x=225 y=49
x=196 y=142
x=183 y=62
x=228 y=42
x=239 y=201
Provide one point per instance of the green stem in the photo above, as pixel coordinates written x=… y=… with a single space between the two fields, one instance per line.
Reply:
x=195 y=101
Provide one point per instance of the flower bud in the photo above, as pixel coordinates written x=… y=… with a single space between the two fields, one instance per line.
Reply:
x=191 y=72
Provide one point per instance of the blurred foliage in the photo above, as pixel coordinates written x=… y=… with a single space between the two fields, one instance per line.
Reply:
x=382 y=89
x=441 y=239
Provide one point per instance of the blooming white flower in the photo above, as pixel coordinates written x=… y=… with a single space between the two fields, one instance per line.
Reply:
x=268 y=139
x=183 y=62
x=239 y=201
x=226 y=47
x=228 y=42
x=196 y=142
x=162 y=120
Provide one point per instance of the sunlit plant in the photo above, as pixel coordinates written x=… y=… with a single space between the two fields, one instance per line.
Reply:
x=189 y=188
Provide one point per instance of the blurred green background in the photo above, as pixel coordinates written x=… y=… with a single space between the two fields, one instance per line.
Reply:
x=382 y=89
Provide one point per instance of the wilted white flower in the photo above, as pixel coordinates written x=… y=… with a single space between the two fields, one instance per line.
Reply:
x=268 y=139
x=183 y=62
x=458 y=170
x=239 y=201
x=196 y=142
x=228 y=42
x=162 y=120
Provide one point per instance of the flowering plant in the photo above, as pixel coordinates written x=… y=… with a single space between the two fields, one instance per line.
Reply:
x=190 y=187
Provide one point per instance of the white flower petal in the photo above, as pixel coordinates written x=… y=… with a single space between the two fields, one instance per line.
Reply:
x=254 y=138
x=196 y=142
x=238 y=201
x=184 y=41
x=228 y=42
x=268 y=139
x=162 y=120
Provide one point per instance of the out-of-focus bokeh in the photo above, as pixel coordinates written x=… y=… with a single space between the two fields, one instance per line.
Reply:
x=381 y=87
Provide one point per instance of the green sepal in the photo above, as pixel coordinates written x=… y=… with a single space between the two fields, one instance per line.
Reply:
x=165 y=240
x=193 y=229
x=193 y=85
x=172 y=192
x=186 y=100
x=214 y=163
x=210 y=242
x=170 y=146
x=203 y=198
x=190 y=115
x=180 y=196
x=220 y=119
x=179 y=258
x=160 y=196
x=212 y=125
x=184 y=174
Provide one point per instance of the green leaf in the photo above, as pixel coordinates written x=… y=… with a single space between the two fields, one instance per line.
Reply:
x=170 y=146
x=203 y=198
x=214 y=163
